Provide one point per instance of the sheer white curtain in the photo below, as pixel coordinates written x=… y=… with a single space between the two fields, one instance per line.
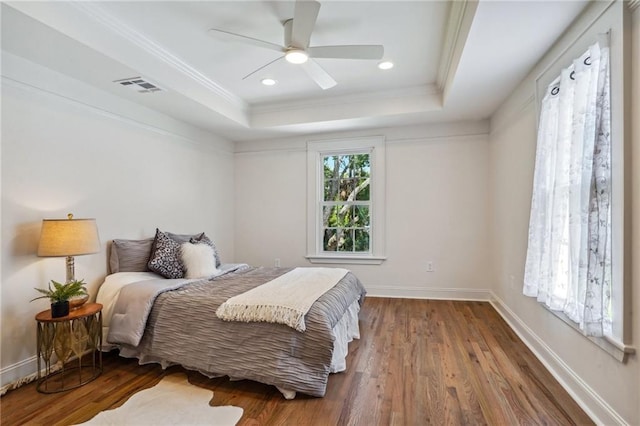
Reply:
x=568 y=266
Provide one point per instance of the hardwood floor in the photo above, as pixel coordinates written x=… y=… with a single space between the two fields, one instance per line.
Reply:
x=418 y=362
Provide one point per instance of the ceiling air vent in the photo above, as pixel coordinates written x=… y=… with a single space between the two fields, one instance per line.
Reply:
x=139 y=85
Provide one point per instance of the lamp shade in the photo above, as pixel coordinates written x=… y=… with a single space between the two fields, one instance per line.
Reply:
x=68 y=237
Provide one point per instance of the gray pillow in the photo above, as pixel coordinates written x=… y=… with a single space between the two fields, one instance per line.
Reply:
x=130 y=255
x=184 y=238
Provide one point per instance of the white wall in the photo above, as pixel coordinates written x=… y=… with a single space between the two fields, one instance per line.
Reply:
x=635 y=200
x=457 y=196
x=67 y=147
x=606 y=388
x=437 y=205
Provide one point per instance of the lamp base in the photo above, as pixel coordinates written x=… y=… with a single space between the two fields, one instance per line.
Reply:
x=71 y=274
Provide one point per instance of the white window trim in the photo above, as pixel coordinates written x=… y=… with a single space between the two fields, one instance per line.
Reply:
x=315 y=152
x=607 y=343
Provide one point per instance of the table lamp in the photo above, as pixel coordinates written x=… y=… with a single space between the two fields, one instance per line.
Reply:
x=68 y=237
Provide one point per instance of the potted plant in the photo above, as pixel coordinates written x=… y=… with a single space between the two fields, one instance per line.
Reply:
x=60 y=294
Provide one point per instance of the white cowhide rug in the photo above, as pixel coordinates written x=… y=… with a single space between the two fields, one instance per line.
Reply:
x=173 y=401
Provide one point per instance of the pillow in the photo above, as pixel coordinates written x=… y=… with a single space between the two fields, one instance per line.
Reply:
x=184 y=238
x=203 y=239
x=165 y=257
x=196 y=238
x=198 y=260
x=130 y=255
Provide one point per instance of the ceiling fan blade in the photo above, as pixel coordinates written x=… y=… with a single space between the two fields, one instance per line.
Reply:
x=261 y=68
x=305 y=14
x=226 y=35
x=364 y=51
x=317 y=74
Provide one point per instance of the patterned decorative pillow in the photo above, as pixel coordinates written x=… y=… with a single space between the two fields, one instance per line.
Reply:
x=165 y=256
x=203 y=239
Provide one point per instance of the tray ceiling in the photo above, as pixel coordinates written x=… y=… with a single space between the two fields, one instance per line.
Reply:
x=453 y=60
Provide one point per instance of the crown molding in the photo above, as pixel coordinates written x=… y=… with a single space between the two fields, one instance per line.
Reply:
x=633 y=4
x=353 y=98
x=459 y=23
x=367 y=105
x=101 y=16
x=111 y=114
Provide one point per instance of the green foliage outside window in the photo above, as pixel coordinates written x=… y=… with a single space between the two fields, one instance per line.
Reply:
x=346 y=209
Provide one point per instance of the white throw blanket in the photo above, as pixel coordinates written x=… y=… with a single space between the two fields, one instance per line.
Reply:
x=283 y=300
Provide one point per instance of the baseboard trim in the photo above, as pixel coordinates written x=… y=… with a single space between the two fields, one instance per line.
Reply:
x=429 y=293
x=595 y=407
x=18 y=374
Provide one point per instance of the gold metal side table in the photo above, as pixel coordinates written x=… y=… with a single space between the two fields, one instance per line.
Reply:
x=76 y=341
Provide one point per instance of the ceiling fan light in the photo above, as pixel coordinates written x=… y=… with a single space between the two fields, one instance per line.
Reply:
x=385 y=65
x=268 y=81
x=296 y=56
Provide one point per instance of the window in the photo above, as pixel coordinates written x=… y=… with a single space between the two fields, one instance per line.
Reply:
x=575 y=263
x=346 y=201
x=568 y=264
x=346 y=204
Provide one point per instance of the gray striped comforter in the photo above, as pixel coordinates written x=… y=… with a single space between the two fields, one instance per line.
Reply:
x=183 y=328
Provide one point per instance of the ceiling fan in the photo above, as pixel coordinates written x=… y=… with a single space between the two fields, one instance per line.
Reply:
x=296 y=49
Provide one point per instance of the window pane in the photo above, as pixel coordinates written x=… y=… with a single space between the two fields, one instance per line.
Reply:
x=338 y=216
x=331 y=177
x=330 y=241
x=345 y=239
x=330 y=162
x=331 y=187
x=329 y=216
x=361 y=242
x=347 y=188
x=346 y=216
x=362 y=216
x=360 y=165
x=363 y=187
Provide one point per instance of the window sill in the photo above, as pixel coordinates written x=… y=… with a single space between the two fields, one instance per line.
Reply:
x=346 y=259
x=616 y=349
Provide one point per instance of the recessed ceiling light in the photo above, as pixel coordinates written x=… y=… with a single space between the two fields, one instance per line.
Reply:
x=268 y=81
x=385 y=65
x=296 y=56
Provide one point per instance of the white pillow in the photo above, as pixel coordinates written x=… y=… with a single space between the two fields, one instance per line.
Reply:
x=198 y=259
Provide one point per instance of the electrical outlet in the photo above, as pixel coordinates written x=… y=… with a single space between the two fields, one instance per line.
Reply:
x=276 y=262
x=429 y=266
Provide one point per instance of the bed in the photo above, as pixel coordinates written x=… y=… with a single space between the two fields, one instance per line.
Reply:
x=181 y=325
